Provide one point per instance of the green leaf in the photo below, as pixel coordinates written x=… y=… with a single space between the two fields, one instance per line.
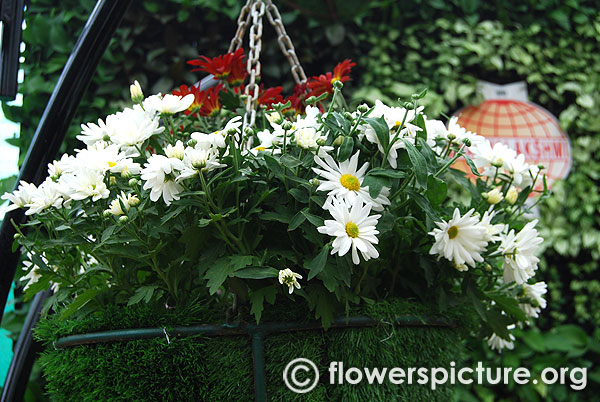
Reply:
x=273 y=166
x=296 y=221
x=143 y=293
x=257 y=299
x=381 y=130
x=424 y=204
x=472 y=165
x=256 y=273
x=390 y=173
x=509 y=305
x=317 y=264
x=290 y=161
x=314 y=219
x=224 y=267
x=437 y=190
x=418 y=161
x=346 y=149
x=81 y=300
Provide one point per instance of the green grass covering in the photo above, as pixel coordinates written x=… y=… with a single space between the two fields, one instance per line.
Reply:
x=220 y=369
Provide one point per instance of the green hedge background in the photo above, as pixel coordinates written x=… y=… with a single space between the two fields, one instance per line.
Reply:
x=399 y=48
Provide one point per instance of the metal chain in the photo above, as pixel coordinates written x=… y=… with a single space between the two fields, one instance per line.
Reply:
x=257 y=11
x=285 y=42
x=242 y=21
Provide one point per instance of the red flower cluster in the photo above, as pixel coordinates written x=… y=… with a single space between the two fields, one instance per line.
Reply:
x=324 y=82
x=231 y=69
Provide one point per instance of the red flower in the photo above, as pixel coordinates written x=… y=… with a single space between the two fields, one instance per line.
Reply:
x=185 y=90
x=297 y=100
x=269 y=96
x=229 y=67
x=324 y=82
x=210 y=101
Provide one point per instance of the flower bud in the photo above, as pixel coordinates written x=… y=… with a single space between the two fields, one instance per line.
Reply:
x=287 y=125
x=487 y=267
x=17 y=236
x=467 y=142
x=321 y=141
x=315 y=182
x=338 y=141
x=337 y=84
x=249 y=131
x=362 y=108
x=133 y=201
x=106 y=138
x=310 y=100
x=133 y=182
x=136 y=93
x=451 y=137
x=123 y=219
x=192 y=143
x=493 y=196
x=112 y=181
x=541 y=167
x=497 y=162
x=106 y=213
x=511 y=195
x=125 y=173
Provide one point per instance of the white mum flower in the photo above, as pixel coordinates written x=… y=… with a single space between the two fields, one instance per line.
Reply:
x=99 y=157
x=352 y=228
x=127 y=200
x=461 y=240
x=92 y=133
x=56 y=168
x=168 y=104
x=199 y=159
x=289 y=278
x=160 y=174
x=21 y=197
x=48 y=194
x=133 y=126
x=520 y=171
x=85 y=183
x=209 y=140
x=435 y=128
x=175 y=151
x=268 y=141
x=519 y=251
x=497 y=343
x=307 y=137
x=345 y=181
x=492 y=158
x=535 y=293
x=135 y=90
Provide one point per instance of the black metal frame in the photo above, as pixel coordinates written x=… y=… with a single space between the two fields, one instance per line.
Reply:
x=59 y=112
x=11 y=14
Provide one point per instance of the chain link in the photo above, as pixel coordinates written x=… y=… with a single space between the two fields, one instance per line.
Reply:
x=253 y=11
x=242 y=21
x=285 y=42
x=253 y=63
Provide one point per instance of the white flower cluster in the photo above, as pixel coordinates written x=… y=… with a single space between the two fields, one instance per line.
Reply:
x=464 y=239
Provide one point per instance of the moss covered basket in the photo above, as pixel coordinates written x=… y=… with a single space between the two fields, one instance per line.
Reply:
x=198 y=367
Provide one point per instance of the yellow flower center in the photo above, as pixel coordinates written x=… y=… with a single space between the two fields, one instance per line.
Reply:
x=352 y=229
x=112 y=164
x=452 y=232
x=398 y=123
x=350 y=182
x=260 y=148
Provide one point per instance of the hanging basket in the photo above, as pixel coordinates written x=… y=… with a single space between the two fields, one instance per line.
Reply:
x=241 y=361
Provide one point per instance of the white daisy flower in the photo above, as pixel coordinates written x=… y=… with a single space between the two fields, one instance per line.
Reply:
x=160 y=174
x=268 y=141
x=492 y=158
x=535 y=293
x=168 y=104
x=520 y=171
x=21 y=197
x=209 y=140
x=519 y=251
x=92 y=133
x=345 y=181
x=497 y=343
x=56 y=168
x=289 y=278
x=352 y=228
x=461 y=240
x=460 y=133
x=493 y=230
